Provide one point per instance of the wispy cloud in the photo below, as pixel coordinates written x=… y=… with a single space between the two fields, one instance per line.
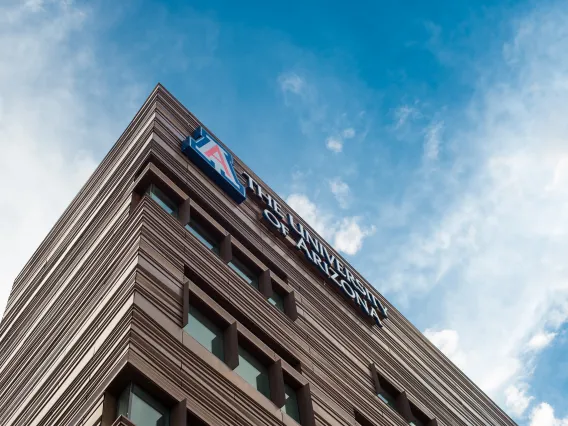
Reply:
x=321 y=221
x=448 y=342
x=335 y=143
x=495 y=246
x=340 y=191
x=404 y=114
x=540 y=341
x=432 y=140
x=350 y=235
x=345 y=233
x=292 y=82
x=349 y=133
x=50 y=85
x=517 y=400
x=318 y=115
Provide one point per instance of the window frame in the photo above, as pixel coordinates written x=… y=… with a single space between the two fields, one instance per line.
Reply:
x=205 y=233
x=157 y=194
x=134 y=389
x=266 y=362
x=241 y=259
x=303 y=396
x=152 y=175
x=271 y=283
x=210 y=317
x=195 y=296
x=131 y=376
x=403 y=406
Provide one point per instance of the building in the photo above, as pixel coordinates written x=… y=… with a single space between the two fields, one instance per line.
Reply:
x=178 y=289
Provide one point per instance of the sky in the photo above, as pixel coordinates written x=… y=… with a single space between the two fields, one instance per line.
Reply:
x=426 y=141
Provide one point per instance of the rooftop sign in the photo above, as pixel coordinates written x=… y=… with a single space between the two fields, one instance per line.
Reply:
x=319 y=254
x=215 y=161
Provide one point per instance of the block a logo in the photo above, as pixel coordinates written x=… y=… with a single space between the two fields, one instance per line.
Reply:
x=210 y=156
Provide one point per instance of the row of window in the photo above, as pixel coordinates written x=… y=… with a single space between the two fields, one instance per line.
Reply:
x=232 y=253
x=142 y=409
x=212 y=327
x=212 y=332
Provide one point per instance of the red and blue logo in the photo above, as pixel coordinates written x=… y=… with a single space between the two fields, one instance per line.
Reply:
x=214 y=160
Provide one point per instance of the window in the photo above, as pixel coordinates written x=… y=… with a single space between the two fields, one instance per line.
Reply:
x=203 y=235
x=205 y=332
x=290 y=406
x=244 y=272
x=419 y=418
x=141 y=408
x=388 y=393
x=387 y=398
x=277 y=301
x=162 y=199
x=278 y=293
x=398 y=401
x=253 y=371
x=362 y=420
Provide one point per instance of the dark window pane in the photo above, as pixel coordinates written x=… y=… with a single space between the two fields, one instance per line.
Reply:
x=277 y=301
x=244 y=272
x=141 y=408
x=205 y=332
x=388 y=399
x=253 y=371
x=420 y=419
x=163 y=200
x=291 y=405
x=124 y=402
x=203 y=235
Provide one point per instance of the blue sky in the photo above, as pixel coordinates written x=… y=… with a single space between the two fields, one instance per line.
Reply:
x=425 y=140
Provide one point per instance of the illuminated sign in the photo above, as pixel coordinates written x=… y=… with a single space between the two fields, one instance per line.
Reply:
x=319 y=255
x=215 y=161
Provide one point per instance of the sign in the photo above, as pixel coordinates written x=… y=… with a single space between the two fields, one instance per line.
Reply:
x=319 y=254
x=215 y=161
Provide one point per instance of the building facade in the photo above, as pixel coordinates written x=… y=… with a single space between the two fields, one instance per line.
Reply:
x=178 y=289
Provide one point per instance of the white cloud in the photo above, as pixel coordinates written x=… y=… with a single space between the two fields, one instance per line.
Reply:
x=48 y=125
x=334 y=144
x=292 y=82
x=345 y=233
x=432 y=140
x=404 y=113
x=349 y=133
x=341 y=191
x=540 y=341
x=320 y=221
x=448 y=342
x=543 y=415
x=517 y=400
x=493 y=253
x=349 y=235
